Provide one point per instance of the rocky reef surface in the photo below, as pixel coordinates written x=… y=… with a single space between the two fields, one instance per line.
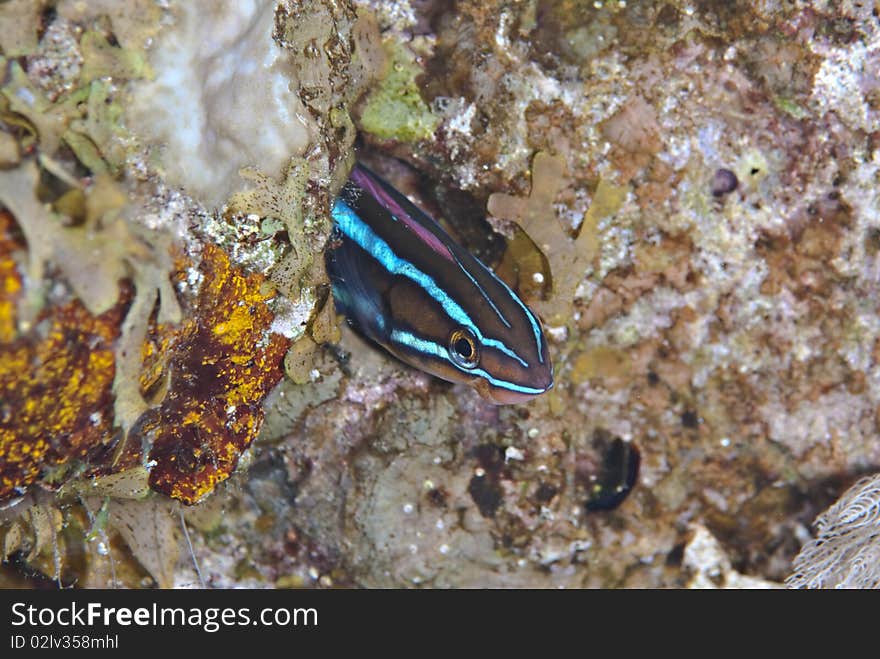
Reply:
x=685 y=192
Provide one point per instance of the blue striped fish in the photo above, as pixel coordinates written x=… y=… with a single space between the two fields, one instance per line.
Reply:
x=404 y=283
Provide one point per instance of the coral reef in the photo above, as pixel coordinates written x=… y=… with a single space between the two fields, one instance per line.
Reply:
x=688 y=195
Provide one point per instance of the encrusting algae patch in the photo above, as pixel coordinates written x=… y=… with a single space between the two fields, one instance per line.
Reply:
x=395 y=109
x=72 y=386
x=56 y=384
x=222 y=367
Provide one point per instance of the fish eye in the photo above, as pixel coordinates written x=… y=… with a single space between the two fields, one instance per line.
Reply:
x=463 y=348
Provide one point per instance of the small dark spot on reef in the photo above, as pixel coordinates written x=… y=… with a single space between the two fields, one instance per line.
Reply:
x=689 y=419
x=653 y=378
x=668 y=16
x=724 y=182
x=545 y=493
x=841 y=31
x=618 y=474
x=675 y=556
x=341 y=357
x=490 y=457
x=486 y=493
x=872 y=240
x=484 y=487
x=438 y=497
x=47 y=16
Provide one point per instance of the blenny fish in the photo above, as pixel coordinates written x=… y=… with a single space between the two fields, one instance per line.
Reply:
x=404 y=283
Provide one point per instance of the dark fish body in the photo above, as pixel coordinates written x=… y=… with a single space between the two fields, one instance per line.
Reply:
x=404 y=283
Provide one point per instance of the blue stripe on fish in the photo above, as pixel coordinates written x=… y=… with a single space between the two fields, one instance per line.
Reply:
x=484 y=294
x=430 y=348
x=406 y=284
x=355 y=228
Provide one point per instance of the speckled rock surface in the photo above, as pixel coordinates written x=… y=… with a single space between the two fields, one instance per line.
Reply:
x=688 y=194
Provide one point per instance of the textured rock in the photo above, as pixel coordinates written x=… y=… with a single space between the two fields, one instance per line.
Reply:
x=717 y=345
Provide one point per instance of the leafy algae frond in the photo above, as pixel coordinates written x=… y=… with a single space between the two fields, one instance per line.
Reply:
x=568 y=257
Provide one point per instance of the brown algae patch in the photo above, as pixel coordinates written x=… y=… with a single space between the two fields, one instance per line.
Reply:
x=569 y=258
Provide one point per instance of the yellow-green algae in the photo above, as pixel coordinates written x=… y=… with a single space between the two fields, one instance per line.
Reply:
x=395 y=110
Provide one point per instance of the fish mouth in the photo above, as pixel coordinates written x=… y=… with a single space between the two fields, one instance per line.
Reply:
x=501 y=396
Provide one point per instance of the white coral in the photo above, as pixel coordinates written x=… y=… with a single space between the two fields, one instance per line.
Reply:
x=221 y=99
